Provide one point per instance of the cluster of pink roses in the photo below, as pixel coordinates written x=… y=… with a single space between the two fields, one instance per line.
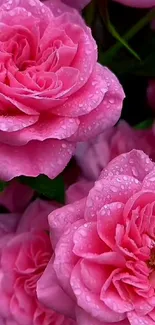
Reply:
x=90 y=261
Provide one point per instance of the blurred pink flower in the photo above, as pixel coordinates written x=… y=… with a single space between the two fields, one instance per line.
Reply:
x=16 y=196
x=15 y=199
x=93 y=156
x=138 y=3
x=105 y=248
x=24 y=256
x=80 y=4
x=151 y=94
x=78 y=190
x=53 y=92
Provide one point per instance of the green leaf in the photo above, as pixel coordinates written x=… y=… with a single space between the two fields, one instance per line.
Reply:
x=89 y=13
x=2 y=186
x=122 y=41
x=111 y=28
x=107 y=57
x=144 y=125
x=50 y=188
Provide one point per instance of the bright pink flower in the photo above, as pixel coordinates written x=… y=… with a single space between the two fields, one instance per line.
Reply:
x=151 y=94
x=53 y=92
x=105 y=248
x=24 y=257
x=138 y=3
x=94 y=155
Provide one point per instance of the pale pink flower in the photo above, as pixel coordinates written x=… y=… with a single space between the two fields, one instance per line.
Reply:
x=151 y=94
x=53 y=92
x=92 y=156
x=105 y=248
x=138 y=3
x=24 y=256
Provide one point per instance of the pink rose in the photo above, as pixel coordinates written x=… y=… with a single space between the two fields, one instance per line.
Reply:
x=92 y=156
x=151 y=94
x=24 y=257
x=138 y=3
x=105 y=248
x=53 y=92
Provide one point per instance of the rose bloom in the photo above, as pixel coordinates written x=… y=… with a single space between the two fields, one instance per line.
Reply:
x=52 y=90
x=105 y=248
x=92 y=156
x=24 y=255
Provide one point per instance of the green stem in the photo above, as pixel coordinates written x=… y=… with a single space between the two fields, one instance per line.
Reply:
x=132 y=32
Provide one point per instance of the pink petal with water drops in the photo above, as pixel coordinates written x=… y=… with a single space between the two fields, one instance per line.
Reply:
x=89 y=301
x=61 y=219
x=135 y=163
x=107 y=219
x=117 y=189
x=47 y=157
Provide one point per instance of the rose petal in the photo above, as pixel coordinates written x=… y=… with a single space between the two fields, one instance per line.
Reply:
x=61 y=219
x=36 y=216
x=135 y=163
x=84 y=318
x=78 y=191
x=49 y=128
x=65 y=259
x=48 y=157
x=134 y=319
x=52 y=295
x=83 y=102
x=16 y=123
x=91 y=302
x=106 y=114
x=107 y=219
x=105 y=191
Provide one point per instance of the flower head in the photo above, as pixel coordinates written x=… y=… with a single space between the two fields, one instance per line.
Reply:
x=105 y=246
